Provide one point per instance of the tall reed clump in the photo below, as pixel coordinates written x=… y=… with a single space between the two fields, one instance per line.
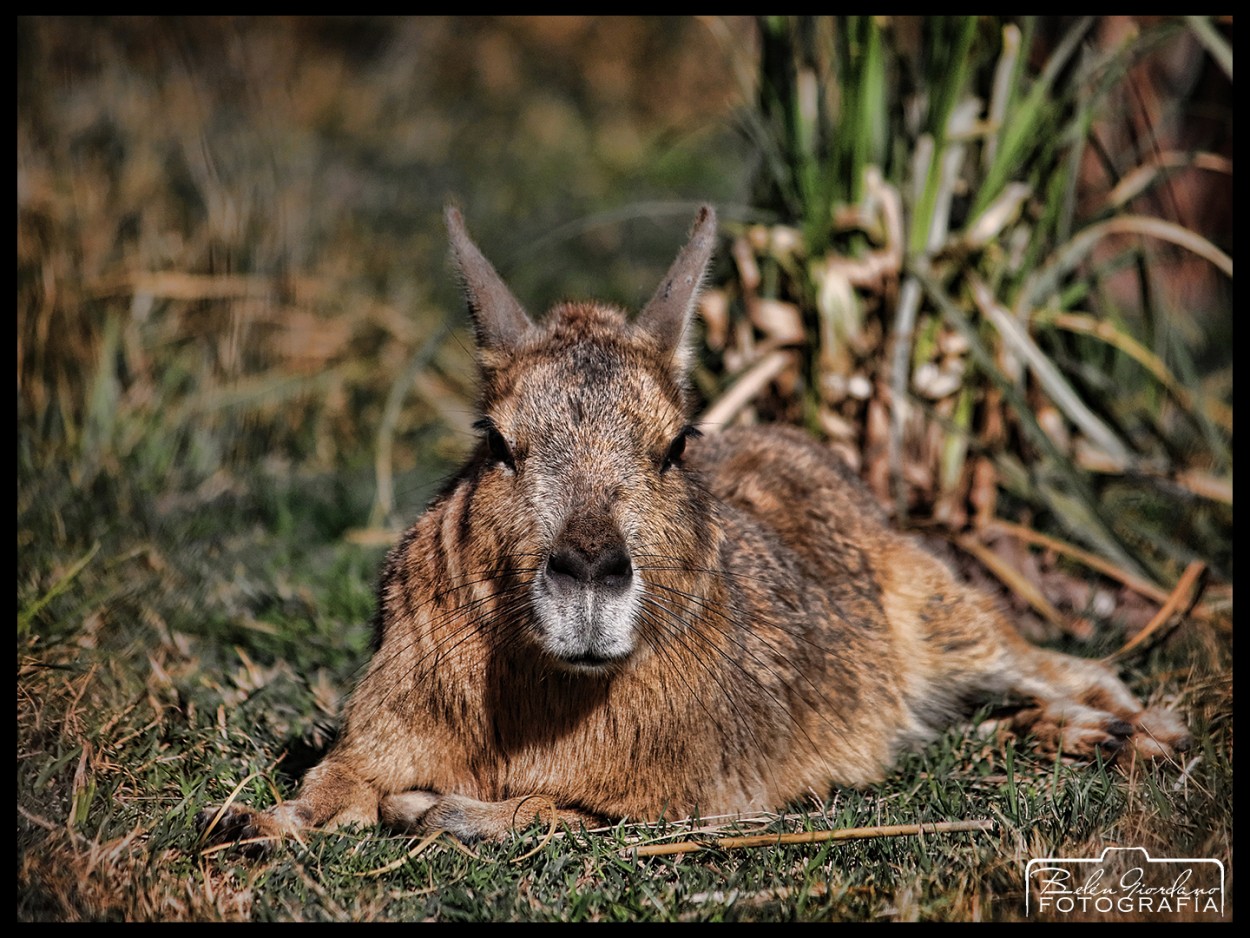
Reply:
x=992 y=284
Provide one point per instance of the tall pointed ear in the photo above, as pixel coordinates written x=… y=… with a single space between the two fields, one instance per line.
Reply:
x=498 y=318
x=667 y=316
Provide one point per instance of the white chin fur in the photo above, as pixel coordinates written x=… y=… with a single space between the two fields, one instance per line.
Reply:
x=585 y=628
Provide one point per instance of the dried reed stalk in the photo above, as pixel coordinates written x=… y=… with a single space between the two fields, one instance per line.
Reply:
x=812 y=837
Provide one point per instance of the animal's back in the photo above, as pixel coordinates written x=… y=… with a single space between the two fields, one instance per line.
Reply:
x=808 y=541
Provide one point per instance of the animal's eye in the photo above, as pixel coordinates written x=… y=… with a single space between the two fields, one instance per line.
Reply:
x=498 y=447
x=677 y=448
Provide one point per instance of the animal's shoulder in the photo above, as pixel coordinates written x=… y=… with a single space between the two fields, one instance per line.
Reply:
x=812 y=506
x=780 y=469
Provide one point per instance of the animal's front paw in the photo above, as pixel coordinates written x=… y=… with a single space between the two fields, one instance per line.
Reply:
x=468 y=819
x=232 y=824
x=256 y=832
x=406 y=810
x=465 y=818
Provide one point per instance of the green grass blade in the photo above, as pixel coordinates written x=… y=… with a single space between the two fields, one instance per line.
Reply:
x=1022 y=130
x=27 y=615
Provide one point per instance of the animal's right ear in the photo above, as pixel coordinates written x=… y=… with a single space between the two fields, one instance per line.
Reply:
x=498 y=318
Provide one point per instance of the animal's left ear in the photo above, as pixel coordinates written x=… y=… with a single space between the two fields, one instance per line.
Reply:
x=667 y=316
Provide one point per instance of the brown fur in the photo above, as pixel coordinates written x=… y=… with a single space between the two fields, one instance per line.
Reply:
x=622 y=620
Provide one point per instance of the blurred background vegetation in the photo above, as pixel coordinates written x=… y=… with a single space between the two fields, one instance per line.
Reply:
x=987 y=259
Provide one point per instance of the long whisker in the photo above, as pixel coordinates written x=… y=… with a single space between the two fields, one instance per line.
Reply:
x=730 y=633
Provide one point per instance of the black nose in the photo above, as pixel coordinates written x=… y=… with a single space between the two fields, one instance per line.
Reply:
x=589 y=553
x=607 y=568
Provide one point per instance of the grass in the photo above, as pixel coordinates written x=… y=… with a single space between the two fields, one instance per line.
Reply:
x=236 y=381
x=105 y=821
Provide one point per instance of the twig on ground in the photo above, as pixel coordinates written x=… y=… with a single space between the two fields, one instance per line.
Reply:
x=812 y=837
x=1179 y=602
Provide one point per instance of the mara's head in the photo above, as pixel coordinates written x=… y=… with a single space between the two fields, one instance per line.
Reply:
x=579 y=481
